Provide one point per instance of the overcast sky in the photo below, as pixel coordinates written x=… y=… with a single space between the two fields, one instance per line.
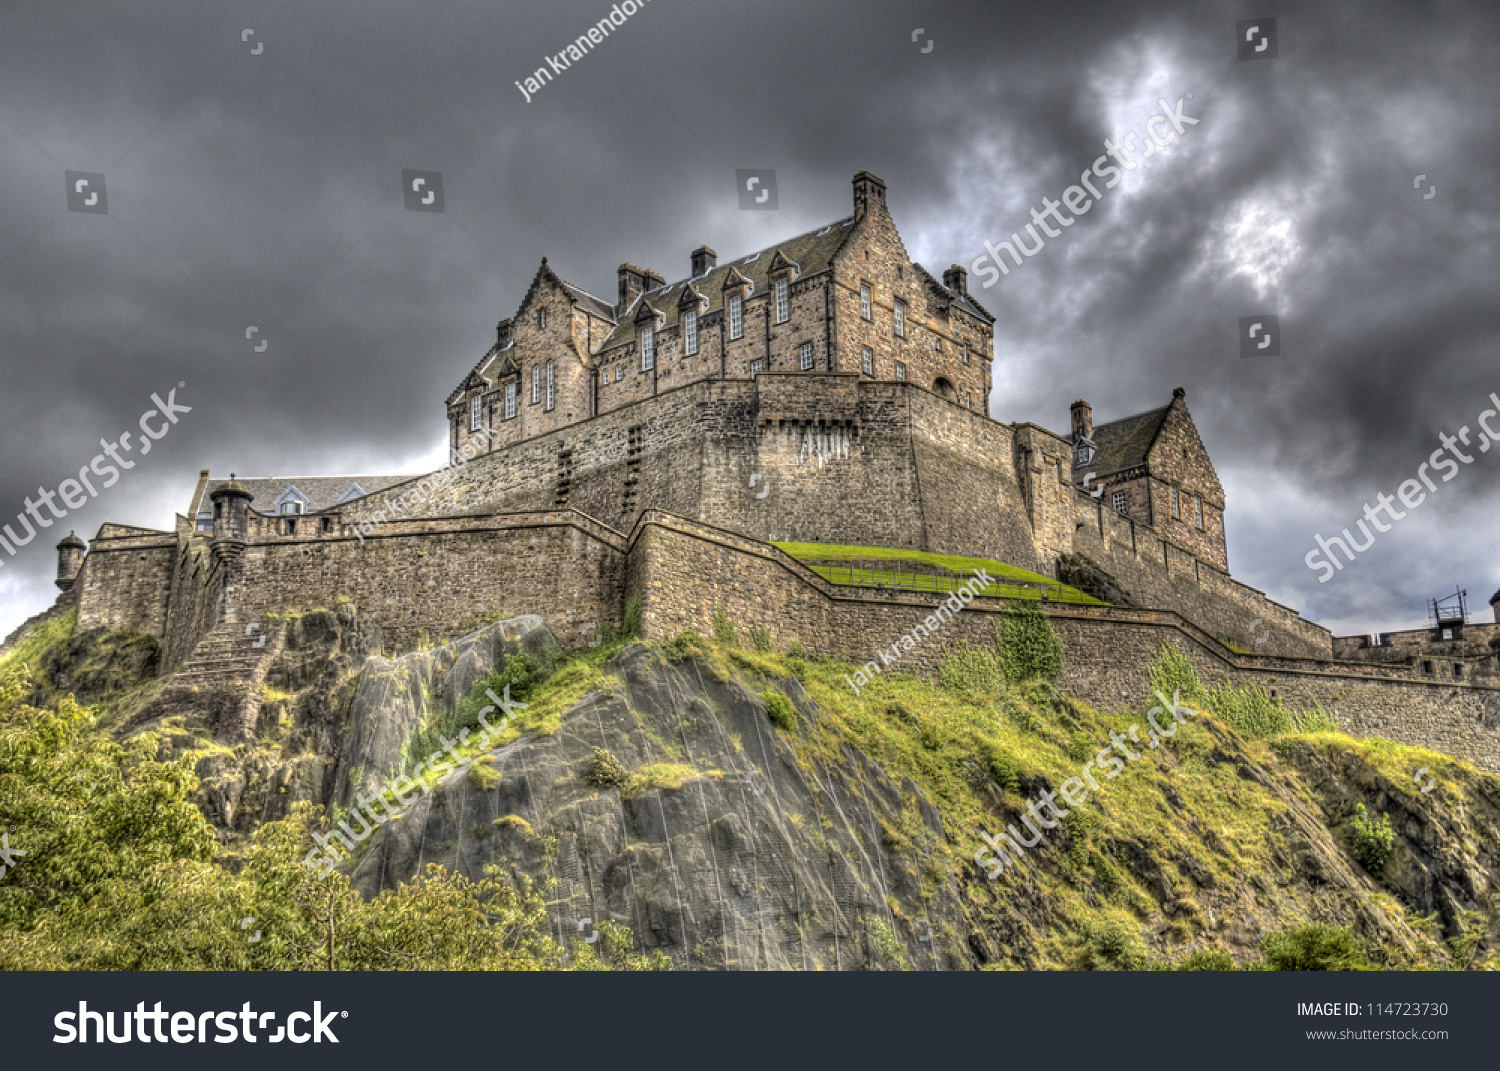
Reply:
x=263 y=189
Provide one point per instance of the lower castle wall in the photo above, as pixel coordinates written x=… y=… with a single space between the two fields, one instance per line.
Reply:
x=125 y=582
x=192 y=601
x=690 y=571
x=436 y=576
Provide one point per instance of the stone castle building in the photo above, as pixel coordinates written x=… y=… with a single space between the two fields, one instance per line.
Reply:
x=826 y=389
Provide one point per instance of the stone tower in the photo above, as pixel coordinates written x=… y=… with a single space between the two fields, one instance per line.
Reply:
x=69 y=560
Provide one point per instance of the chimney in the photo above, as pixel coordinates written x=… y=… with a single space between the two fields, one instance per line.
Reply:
x=633 y=281
x=956 y=278
x=503 y=331
x=868 y=190
x=704 y=260
x=654 y=279
x=1495 y=604
x=1178 y=394
x=1083 y=420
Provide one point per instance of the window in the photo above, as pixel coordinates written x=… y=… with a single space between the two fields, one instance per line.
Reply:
x=864 y=301
x=755 y=368
x=510 y=400
x=289 y=527
x=326 y=525
x=1199 y=501
x=292 y=506
x=937 y=343
x=867 y=361
x=620 y=373
x=551 y=388
x=648 y=349
x=968 y=400
x=690 y=333
x=1118 y=501
x=476 y=414
x=805 y=356
x=605 y=379
x=1458 y=671
x=536 y=383
x=900 y=319
x=1176 y=505
x=783 y=305
x=736 y=316
x=966 y=353
x=1427 y=668
x=900 y=370
x=541 y=319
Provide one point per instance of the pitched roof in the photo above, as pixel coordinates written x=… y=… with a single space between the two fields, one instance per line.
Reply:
x=321 y=492
x=1124 y=443
x=811 y=252
x=953 y=295
x=597 y=306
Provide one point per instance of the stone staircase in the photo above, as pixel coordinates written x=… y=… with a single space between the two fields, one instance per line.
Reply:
x=228 y=655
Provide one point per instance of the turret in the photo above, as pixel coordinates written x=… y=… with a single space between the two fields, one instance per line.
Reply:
x=231 y=518
x=70 y=554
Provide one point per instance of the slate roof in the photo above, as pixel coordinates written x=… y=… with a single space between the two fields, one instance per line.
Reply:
x=594 y=305
x=1124 y=443
x=811 y=252
x=322 y=492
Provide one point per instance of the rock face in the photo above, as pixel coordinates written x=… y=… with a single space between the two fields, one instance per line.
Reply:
x=738 y=857
x=1079 y=571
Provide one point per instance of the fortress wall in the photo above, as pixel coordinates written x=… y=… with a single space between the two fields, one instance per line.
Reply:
x=691 y=570
x=1160 y=575
x=436 y=576
x=966 y=466
x=125 y=582
x=192 y=601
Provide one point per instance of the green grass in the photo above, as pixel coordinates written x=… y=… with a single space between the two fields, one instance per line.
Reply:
x=28 y=652
x=954 y=563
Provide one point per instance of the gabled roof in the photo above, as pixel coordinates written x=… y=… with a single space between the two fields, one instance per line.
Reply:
x=1124 y=443
x=811 y=253
x=320 y=492
x=953 y=295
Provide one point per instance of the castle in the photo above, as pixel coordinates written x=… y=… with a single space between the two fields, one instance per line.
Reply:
x=826 y=389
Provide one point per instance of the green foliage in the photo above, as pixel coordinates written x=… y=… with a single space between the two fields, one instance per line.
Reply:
x=1029 y=647
x=685 y=646
x=604 y=770
x=723 y=630
x=1110 y=945
x=630 y=626
x=964 y=668
x=482 y=775
x=1316 y=720
x=1172 y=673
x=794 y=650
x=780 y=710
x=1370 y=841
x=890 y=953
x=1250 y=709
x=1207 y=960
x=1002 y=770
x=521 y=673
x=760 y=639
x=1315 y=946
x=48 y=635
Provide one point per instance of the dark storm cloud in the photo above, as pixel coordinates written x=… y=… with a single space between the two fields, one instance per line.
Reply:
x=263 y=190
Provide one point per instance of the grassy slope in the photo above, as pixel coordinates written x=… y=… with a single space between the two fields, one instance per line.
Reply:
x=829 y=552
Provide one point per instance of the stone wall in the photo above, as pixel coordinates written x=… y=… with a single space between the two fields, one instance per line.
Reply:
x=126 y=580
x=688 y=571
x=193 y=600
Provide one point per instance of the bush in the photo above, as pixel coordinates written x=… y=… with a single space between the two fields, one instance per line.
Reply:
x=1173 y=674
x=1314 y=947
x=1370 y=842
x=965 y=668
x=684 y=647
x=760 y=638
x=794 y=650
x=1206 y=960
x=1111 y=946
x=723 y=630
x=780 y=710
x=1028 y=645
x=604 y=770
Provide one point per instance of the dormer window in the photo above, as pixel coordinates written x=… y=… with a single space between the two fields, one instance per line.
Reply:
x=293 y=508
x=689 y=333
x=1084 y=451
x=736 y=316
x=476 y=412
x=783 y=302
x=900 y=319
x=648 y=349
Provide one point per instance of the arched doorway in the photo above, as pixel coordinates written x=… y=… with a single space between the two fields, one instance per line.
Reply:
x=943 y=389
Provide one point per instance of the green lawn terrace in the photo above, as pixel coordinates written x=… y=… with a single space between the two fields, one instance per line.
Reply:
x=916 y=570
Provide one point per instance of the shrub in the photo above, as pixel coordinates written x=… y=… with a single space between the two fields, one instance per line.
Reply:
x=1371 y=841
x=1313 y=947
x=482 y=775
x=794 y=650
x=630 y=627
x=1002 y=770
x=1028 y=645
x=780 y=710
x=1251 y=710
x=1173 y=674
x=1316 y=720
x=604 y=770
x=1207 y=960
x=760 y=638
x=966 y=668
x=723 y=630
x=1111 y=946
x=684 y=646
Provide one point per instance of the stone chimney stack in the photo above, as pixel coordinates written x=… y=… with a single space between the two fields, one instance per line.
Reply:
x=1495 y=604
x=1083 y=420
x=69 y=560
x=956 y=278
x=704 y=260
x=503 y=331
x=868 y=191
x=633 y=282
